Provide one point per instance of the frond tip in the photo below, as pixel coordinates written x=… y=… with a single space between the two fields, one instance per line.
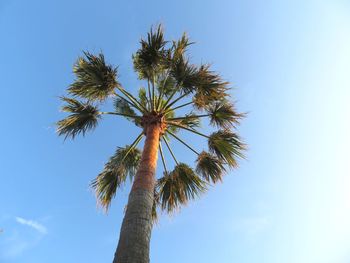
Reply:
x=227 y=146
x=150 y=59
x=210 y=167
x=121 y=165
x=84 y=117
x=95 y=80
x=180 y=186
x=223 y=114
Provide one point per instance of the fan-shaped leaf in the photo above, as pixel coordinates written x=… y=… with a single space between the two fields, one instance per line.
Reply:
x=190 y=120
x=210 y=88
x=180 y=186
x=121 y=165
x=95 y=80
x=223 y=115
x=84 y=117
x=227 y=146
x=185 y=74
x=180 y=47
x=210 y=167
x=152 y=57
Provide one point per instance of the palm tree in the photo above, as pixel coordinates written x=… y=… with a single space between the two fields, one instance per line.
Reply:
x=169 y=78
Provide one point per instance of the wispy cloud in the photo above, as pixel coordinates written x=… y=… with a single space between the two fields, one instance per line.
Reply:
x=33 y=224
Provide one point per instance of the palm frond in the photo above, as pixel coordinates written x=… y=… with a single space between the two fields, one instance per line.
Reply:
x=180 y=186
x=95 y=80
x=121 y=106
x=227 y=146
x=84 y=117
x=210 y=87
x=190 y=120
x=151 y=58
x=223 y=115
x=166 y=85
x=143 y=98
x=180 y=47
x=210 y=167
x=121 y=165
x=185 y=74
x=182 y=71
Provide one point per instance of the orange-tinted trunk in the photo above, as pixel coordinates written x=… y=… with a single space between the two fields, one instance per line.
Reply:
x=135 y=233
x=145 y=176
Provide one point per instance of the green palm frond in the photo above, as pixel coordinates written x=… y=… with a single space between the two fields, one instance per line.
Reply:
x=227 y=146
x=210 y=83
x=210 y=88
x=151 y=58
x=180 y=47
x=84 y=117
x=166 y=85
x=143 y=98
x=190 y=120
x=210 y=167
x=223 y=115
x=121 y=165
x=95 y=80
x=122 y=107
x=185 y=74
x=180 y=186
x=177 y=94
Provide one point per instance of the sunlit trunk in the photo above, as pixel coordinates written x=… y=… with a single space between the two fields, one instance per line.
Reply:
x=135 y=234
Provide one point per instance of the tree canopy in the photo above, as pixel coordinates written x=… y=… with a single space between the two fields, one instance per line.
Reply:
x=172 y=83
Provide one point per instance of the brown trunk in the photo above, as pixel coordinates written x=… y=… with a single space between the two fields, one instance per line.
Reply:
x=135 y=233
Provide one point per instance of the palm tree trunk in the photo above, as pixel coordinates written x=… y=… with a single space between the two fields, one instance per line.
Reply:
x=135 y=234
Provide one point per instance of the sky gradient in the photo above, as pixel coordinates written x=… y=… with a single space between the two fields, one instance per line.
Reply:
x=289 y=64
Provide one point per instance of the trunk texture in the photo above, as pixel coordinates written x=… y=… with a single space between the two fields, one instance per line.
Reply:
x=135 y=233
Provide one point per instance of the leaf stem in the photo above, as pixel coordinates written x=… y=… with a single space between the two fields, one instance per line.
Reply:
x=169 y=148
x=174 y=101
x=171 y=96
x=178 y=107
x=153 y=94
x=132 y=98
x=188 y=129
x=133 y=145
x=193 y=150
x=129 y=102
x=163 y=160
x=161 y=90
x=120 y=114
x=188 y=117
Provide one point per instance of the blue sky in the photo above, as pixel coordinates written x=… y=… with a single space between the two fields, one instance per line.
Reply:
x=289 y=62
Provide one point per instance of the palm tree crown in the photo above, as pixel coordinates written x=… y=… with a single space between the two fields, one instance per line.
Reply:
x=170 y=79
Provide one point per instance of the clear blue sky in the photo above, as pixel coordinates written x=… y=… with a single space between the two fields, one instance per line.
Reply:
x=290 y=64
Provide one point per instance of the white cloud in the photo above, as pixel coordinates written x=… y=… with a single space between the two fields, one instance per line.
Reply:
x=33 y=224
